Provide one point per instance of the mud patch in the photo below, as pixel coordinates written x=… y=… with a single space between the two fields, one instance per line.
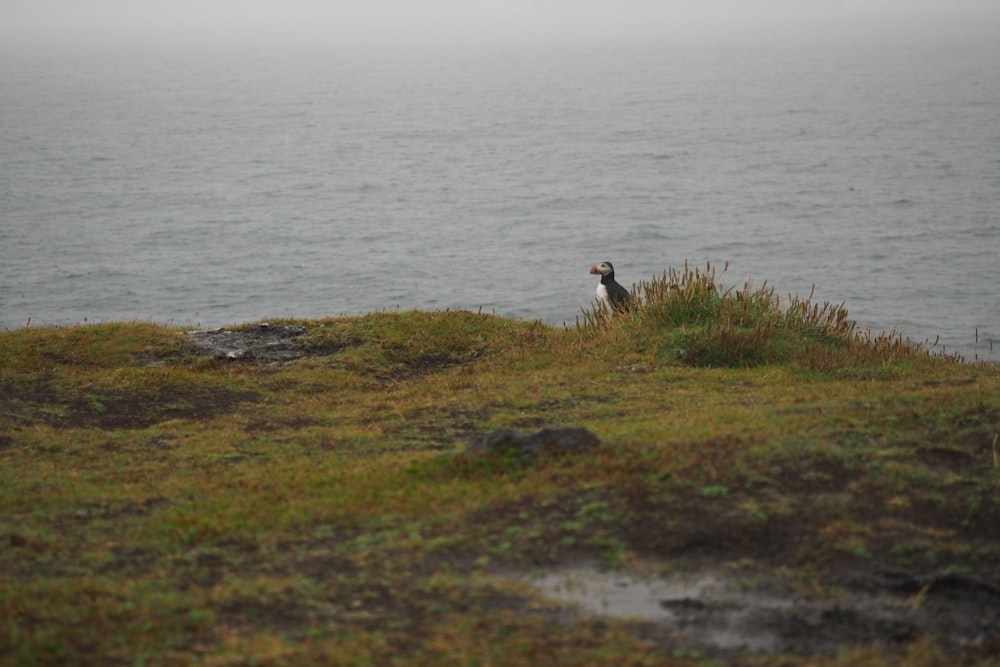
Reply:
x=115 y=408
x=716 y=612
x=134 y=409
x=263 y=343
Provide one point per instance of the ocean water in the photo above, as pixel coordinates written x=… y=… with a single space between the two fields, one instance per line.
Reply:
x=213 y=188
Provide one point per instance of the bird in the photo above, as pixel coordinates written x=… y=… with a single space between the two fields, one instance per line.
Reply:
x=609 y=291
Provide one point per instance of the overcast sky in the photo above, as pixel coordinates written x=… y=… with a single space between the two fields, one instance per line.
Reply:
x=42 y=22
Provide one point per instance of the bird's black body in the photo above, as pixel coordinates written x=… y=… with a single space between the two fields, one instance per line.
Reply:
x=609 y=290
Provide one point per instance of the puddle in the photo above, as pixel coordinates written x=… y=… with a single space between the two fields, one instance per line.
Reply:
x=623 y=595
x=714 y=610
x=705 y=608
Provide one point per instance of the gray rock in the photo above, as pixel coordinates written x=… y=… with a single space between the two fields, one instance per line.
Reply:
x=549 y=441
x=263 y=343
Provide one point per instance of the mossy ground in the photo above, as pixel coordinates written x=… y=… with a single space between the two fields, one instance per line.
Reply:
x=160 y=507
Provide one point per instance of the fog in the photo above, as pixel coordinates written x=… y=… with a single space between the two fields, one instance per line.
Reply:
x=135 y=23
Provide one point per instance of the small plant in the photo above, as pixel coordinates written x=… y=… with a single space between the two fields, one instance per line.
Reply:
x=715 y=491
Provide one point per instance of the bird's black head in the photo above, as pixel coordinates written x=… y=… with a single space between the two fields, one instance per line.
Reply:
x=604 y=269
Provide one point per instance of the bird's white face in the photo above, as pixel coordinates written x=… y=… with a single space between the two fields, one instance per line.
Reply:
x=603 y=269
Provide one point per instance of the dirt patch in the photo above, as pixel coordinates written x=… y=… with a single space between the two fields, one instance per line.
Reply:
x=133 y=409
x=41 y=402
x=293 y=423
x=276 y=345
x=437 y=428
x=425 y=365
x=714 y=611
x=284 y=612
x=263 y=343
x=86 y=512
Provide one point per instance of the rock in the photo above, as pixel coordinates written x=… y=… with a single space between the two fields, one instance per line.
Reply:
x=550 y=441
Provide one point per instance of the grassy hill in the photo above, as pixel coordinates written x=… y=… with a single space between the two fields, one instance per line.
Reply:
x=163 y=506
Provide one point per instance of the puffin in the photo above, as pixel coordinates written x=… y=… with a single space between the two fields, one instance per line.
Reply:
x=609 y=291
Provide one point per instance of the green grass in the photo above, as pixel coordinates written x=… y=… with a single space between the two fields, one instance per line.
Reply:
x=689 y=316
x=160 y=507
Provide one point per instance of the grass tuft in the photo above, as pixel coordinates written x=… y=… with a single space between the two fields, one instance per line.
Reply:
x=690 y=316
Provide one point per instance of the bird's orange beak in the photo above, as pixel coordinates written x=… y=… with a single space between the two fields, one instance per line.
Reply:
x=593 y=269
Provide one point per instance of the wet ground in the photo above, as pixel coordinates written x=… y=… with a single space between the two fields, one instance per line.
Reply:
x=717 y=611
x=262 y=343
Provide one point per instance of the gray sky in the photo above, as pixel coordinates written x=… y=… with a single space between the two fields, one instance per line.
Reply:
x=137 y=22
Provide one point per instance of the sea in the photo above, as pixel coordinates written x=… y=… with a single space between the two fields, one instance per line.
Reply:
x=215 y=187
